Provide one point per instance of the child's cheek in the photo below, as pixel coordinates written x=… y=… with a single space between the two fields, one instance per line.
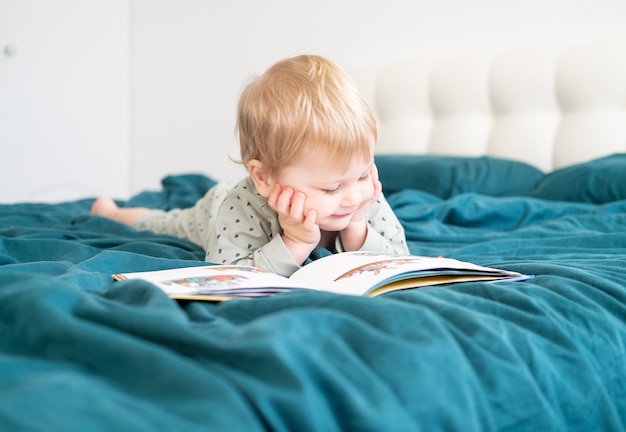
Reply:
x=310 y=204
x=368 y=190
x=323 y=205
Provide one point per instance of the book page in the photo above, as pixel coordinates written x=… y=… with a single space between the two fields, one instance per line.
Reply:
x=227 y=280
x=357 y=273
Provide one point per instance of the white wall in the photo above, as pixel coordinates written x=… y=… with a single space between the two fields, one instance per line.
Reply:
x=190 y=58
x=64 y=98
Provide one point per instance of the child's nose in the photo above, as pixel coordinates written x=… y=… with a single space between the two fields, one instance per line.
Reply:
x=351 y=197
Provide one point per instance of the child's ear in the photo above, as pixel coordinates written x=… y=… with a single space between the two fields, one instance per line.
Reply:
x=262 y=181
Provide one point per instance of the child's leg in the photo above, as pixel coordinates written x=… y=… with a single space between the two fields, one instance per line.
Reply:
x=106 y=207
x=175 y=222
x=195 y=223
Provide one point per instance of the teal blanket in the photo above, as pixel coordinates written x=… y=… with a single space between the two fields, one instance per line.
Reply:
x=79 y=352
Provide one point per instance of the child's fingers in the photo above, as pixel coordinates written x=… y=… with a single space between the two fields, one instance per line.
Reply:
x=284 y=200
x=283 y=203
x=297 y=205
x=378 y=186
x=374 y=172
x=310 y=221
x=272 y=199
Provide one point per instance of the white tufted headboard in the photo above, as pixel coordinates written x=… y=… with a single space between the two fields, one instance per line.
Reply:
x=548 y=106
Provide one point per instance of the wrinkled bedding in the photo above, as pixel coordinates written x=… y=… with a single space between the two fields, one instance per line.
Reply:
x=79 y=352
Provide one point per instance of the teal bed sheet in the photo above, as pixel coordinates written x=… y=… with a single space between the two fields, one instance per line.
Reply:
x=79 y=352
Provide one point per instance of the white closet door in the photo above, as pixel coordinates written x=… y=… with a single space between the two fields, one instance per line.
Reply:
x=64 y=99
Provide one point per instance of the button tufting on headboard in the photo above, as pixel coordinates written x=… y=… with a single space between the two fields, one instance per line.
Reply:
x=547 y=106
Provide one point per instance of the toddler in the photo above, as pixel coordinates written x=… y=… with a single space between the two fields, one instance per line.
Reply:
x=307 y=141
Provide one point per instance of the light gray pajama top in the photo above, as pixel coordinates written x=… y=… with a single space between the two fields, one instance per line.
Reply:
x=235 y=225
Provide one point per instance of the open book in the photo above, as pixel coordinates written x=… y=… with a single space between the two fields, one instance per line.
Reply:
x=352 y=273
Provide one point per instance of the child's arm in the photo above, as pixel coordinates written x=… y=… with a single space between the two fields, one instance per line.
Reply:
x=384 y=231
x=248 y=232
x=375 y=226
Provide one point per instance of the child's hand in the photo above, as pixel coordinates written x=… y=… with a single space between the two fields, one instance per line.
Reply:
x=301 y=234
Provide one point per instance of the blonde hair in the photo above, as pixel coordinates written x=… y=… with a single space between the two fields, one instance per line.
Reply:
x=303 y=101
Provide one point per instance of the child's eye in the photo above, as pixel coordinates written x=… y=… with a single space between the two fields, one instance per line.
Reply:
x=364 y=177
x=331 y=191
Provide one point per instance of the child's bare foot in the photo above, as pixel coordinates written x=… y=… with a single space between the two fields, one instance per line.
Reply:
x=105 y=207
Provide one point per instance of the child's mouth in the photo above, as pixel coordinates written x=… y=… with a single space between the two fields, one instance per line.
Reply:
x=342 y=215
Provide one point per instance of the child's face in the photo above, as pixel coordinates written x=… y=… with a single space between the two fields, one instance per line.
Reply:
x=334 y=192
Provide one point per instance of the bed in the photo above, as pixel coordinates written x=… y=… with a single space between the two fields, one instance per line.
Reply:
x=514 y=160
